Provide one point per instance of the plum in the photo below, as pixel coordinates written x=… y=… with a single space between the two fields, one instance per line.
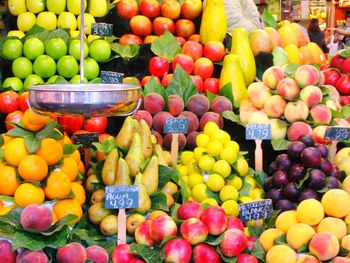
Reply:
x=274 y=194
x=191 y=140
x=296 y=172
x=294 y=150
x=335 y=172
x=175 y=104
x=279 y=178
x=198 y=104
x=268 y=183
x=311 y=157
x=316 y=180
x=325 y=166
x=333 y=183
x=291 y=192
x=323 y=149
x=307 y=140
x=272 y=168
x=284 y=205
x=308 y=193
x=283 y=162
x=220 y=104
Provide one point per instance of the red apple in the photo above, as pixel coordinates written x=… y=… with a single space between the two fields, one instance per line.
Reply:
x=9 y=101
x=215 y=218
x=203 y=67
x=167 y=79
x=343 y=84
x=14 y=117
x=189 y=209
x=170 y=9
x=234 y=243
x=344 y=100
x=128 y=39
x=161 y=227
x=126 y=9
x=234 y=222
x=193 y=49
x=205 y=253
x=250 y=242
x=185 y=61
x=191 y=9
x=180 y=40
x=195 y=38
x=158 y=66
x=71 y=124
x=345 y=66
x=194 y=231
x=184 y=27
x=198 y=82
x=145 y=79
x=121 y=254
x=214 y=50
x=246 y=258
x=23 y=101
x=149 y=8
x=331 y=76
x=160 y=24
x=336 y=61
x=178 y=250
x=140 y=25
x=212 y=85
x=142 y=234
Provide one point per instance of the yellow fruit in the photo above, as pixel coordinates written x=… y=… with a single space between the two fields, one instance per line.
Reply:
x=336 y=203
x=299 y=235
x=236 y=181
x=58 y=186
x=15 y=151
x=346 y=184
x=310 y=211
x=267 y=238
x=244 y=199
x=221 y=136
x=250 y=180
x=206 y=163
x=75 y=155
x=8 y=180
x=67 y=20
x=195 y=179
x=222 y=167
x=28 y=193
x=74 y=6
x=182 y=169
x=198 y=152
x=210 y=201
x=242 y=166
x=79 y=193
x=233 y=144
x=47 y=20
x=256 y=193
x=15 y=33
x=281 y=254
x=88 y=21
x=343 y=165
x=285 y=220
x=215 y=182
x=186 y=157
x=35 y=6
x=199 y=192
x=66 y=207
x=342 y=154
x=332 y=225
x=70 y=168
x=6 y=209
x=33 y=121
x=230 y=207
x=51 y=150
x=16 y=7
x=228 y=192
x=210 y=128
x=192 y=167
x=230 y=154
x=202 y=140
x=26 y=21
x=33 y=167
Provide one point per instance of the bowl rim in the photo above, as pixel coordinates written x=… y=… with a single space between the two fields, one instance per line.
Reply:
x=92 y=87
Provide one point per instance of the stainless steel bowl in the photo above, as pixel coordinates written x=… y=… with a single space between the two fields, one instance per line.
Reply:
x=85 y=99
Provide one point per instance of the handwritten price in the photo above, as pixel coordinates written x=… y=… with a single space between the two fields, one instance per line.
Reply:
x=258 y=132
x=337 y=134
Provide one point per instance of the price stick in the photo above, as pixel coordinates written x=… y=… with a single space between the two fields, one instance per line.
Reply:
x=258 y=132
x=121 y=197
x=86 y=140
x=175 y=126
x=336 y=134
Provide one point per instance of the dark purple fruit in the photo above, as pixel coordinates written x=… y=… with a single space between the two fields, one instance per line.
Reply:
x=274 y=194
x=316 y=180
x=311 y=157
x=307 y=140
x=323 y=150
x=333 y=183
x=268 y=184
x=326 y=166
x=290 y=192
x=308 y=193
x=279 y=178
x=283 y=162
x=285 y=205
x=272 y=168
x=294 y=150
x=335 y=172
x=296 y=172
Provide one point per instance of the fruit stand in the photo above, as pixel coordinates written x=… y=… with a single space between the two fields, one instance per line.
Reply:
x=151 y=134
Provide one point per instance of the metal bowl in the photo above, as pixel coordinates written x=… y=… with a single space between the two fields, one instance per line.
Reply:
x=85 y=99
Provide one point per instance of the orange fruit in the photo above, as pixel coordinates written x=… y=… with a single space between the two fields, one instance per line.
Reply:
x=81 y=167
x=76 y=156
x=28 y=193
x=33 y=121
x=51 y=150
x=79 y=193
x=70 y=168
x=66 y=207
x=15 y=151
x=58 y=186
x=33 y=167
x=6 y=138
x=66 y=140
x=8 y=180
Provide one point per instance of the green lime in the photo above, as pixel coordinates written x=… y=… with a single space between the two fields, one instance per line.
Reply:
x=22 y=67
x=12 y=48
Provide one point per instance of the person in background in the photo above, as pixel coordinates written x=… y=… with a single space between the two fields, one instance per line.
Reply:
x=316 y=35
x=344 y=31
x=333 y=41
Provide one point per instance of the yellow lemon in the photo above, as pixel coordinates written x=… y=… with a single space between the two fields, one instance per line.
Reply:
x=210 y=128
x=242 y=166
x=210 y=202
x=236 y=181
x=206 y=163
x=199 y=192
x=232 y=144
x=230 y=207
x=198 y=152
x=228 y=192
x=222 y=167
x=221 y=136
x=195 y=179
x=229 y=154
x=214 y=147
x=215 y=182
x=202 y=140
x=186 y=157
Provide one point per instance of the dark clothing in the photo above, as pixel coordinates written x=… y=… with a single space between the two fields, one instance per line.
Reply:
x=318 y=38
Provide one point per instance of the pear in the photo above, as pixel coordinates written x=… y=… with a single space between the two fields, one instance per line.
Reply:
x=135 y=158
x=126 y=133
x=150 y=176
x=73 y=6
x=97 y=212
x=17 y=7
x=145 y=134
x=109 y=225
x=144 y=199
x=36 y=6
x=123 y=173
x=109 y=169
x=161 y=158
x=56 y=6
x=168 y=158
x=98 y=8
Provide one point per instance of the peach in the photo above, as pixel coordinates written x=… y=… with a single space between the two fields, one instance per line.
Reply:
x=258 y=94
x=259 y=41
x=28 y=256
x=322 y=79
x=275 y=38
x=153 y=102
x=193 y=123
x=220 y=104
x=258 y=117
x=97 y=254
x=142 y=234
x=307 y=259
x=145 y=115
x=297 y=129
x=340 y=260
x=36 y=217
x=321 y=114
x=345 y=242
x=72 y=252
x=198 y=104
x=299 y=235
x=324 y=246
x=175 y=104
x=159 y=119
x=191 y=140
x=342 y=122
x=274 y=106
x=318 y=134
x=333 y=91
x=245 y=110
x=272 y=76
x=288 y=88
x=307 y=75
x=211 y=116
x=311 y=95
x=6 y=253
x=296 y=111
x=333 y=225
x=278 y=129
x=333 y=104
x=168 y=138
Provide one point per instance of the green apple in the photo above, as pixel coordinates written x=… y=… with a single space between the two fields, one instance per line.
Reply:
x=56 y=48
x=13 y=83
x=76 y=80
x=22 y=67
x=44 y=66
x=12 y=48
x=56 y=6
x=100 y=50
x=33 y=47
x=91 y=68
x=74 y=49
x=26 y=21
x=47 y=20
x=67 y=66
x=32 y=80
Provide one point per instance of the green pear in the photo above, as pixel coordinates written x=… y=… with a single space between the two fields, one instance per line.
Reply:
x=126 y=133
x=16 y=7
x=56 y=6
x=123 y=173
x=73 y=6
x=146 y=140
x=98 y=8
x=134 y=157
x=150 y=176
x=109 y=169
x=35 y=6
x=144 y=199
x=160 y=153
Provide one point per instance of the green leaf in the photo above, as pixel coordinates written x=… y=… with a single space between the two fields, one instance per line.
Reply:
x=19 y=131
x=270 y=222
x=301 y=182
x=37 y=31
x=7 y=198
x=280 y=144
x=346 y=111
x=49 y=131
x=245 y=189
x=255 y=231
x=224 y=258
x=230 y=115
x=211 y=96
x=260 y=177
x=167 y=174
x=173 y=211
x=12 y=218
x=303 y=249
x=268 y=19
x=213 y=195
x=6 y=231
x=32 y=144
x=159 y=201
x=280 y=56
x=281 y=240
x=59 y=33
x=166 y=46
x=345 y=53
x=59 y=225
x=336 y=114
x=125 y=51
x=106 y=146
x=154 y=86
x=182 y=85
x=70 y=148
x=289 y=69
x=214 y=240
x=258 y=251
x=95 y=81
x=150 y=255
x=183 y=189
x=1 y=141
x=167 y=239
x=226 y=91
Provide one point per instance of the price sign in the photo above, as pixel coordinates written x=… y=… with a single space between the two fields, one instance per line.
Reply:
x=176 y=125
x=121 y=196
x=337 y=133
x=258 y=132
x=102 y=29
x=85 y=139
x=111 y=77
x=256 y=210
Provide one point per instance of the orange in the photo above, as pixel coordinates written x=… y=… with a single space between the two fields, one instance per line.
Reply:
x=8 y=180
x=79 y=193
x=76 y=156
x=66 y=140
x=51 y=150
x=66 y=207
x=33 y=167
x=81 y=167
x=33 y=121
x=15 y=151
x=58 y=186
x=70 y=168
x=28 y=193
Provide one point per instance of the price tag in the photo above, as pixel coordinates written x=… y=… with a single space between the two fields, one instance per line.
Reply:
x=121 y=196
x=102 y=29
x=85 y=139
x=176 y=125
x=256 y=210
x=258 y=132
x=337 y=133
x=111 y=77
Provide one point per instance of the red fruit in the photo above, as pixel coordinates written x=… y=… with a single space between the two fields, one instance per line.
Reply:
x=149 y=8
x=103 y=136
x=189 y=209
x=178 y=250
x=343 y=84
x=145 y=79
x=198 y=82
x=336 y=61
x=191 y=9
x=185 y=61
x=195 y=38
x=215 y=218
x=6 y=253
x=161 y=227
x=71 y=124
x=140 y=25
x=137 y=260
x=166 y=79
x=127 y=9
x=205 y=253
x=345 y=66
x=194 y=231
x=158 y=66
x=234 y=222
x=234 y=243
x=121 y=254
x=180 y=40
x=128 y=39
x=184 y=27
x=193 y=49
x=203 y=67
x=344 y=100
x=246 y=258
x=9 y=101
x=170 y=9
x=212 y=85
x=23 y=101
x=331 y=76
x=160 y=24
x=96 y=124
x=14 y=117
x=214 y=50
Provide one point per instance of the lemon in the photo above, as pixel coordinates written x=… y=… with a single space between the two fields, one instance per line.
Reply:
x=206 y=163
x=221 y=136
x=222 y=167
x=214 y=147
x=16 y=33
x=236 y=181
x=199 y=192
x=230 y=207
x=229 y=154
x=192 y=167
x=256 y=193
x=75 y=34
x=98 y=8
x=215 y=182
x=47 y=20
x=26 y=21
x=242 y=166
x=195 y=179
x=185 y=178
x=35 y=6
x=182 y=169
x=232 y=144
x=210 y=201
x=88 y=21
x=228 y=192
x=202 y=140
x=250 y=180
x=210 y=128
x=17 y=7
x=198 y=152
x=67 y=20
x=91 y=38
x=244 y=199
x=56 y=6
x=186 y=157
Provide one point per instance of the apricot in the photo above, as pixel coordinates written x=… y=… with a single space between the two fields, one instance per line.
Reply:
x=72 y=252
x=336 y=203
x=36 y=217
x=193 y=123
x=198 y=104
x=153 y=102
x=97 y=254
x=159 y=119
x=6 y=253
x=281 y=253
x=299 y=235
x=285 y=220
x=324 y=246
x=28 y=256
x=275 y=38
x=307 y=259
x=340 y=260
x=175 y=104
x=259 y=41
x=220 y=104
x=267 y=238
x=211 y=116
x=332 y=225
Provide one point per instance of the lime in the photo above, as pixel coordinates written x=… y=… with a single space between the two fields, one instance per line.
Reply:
x=222 y=167
x=35 y=6
x=210 y=128
x=16 y=7
x=182 y=169
x=44 y=66
x=33 y=47
x=215 y=182
x=198 y=152
x=195 y=179
x=242 y=166
x=22 y=67
x=88 y=21
x=74 y=49
x=206 y=163
x=26 y=21
x=231 y=208
x=221 y=136
x=256 y=193
x=229 y=154
x=91 y=68
x=236 y=181
x=67 y=66
x=56 y=48
x=233 y=144
x=13 y=83
x=12 y=48
x=76 y=80
x=67 y=20
x=199 y=192
x=186 y=157
x=47 y=20
x=214 y=147
x=15 y=33
x=209 y=201
x=100 y=50
x=32 y=80
x=228 y=192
